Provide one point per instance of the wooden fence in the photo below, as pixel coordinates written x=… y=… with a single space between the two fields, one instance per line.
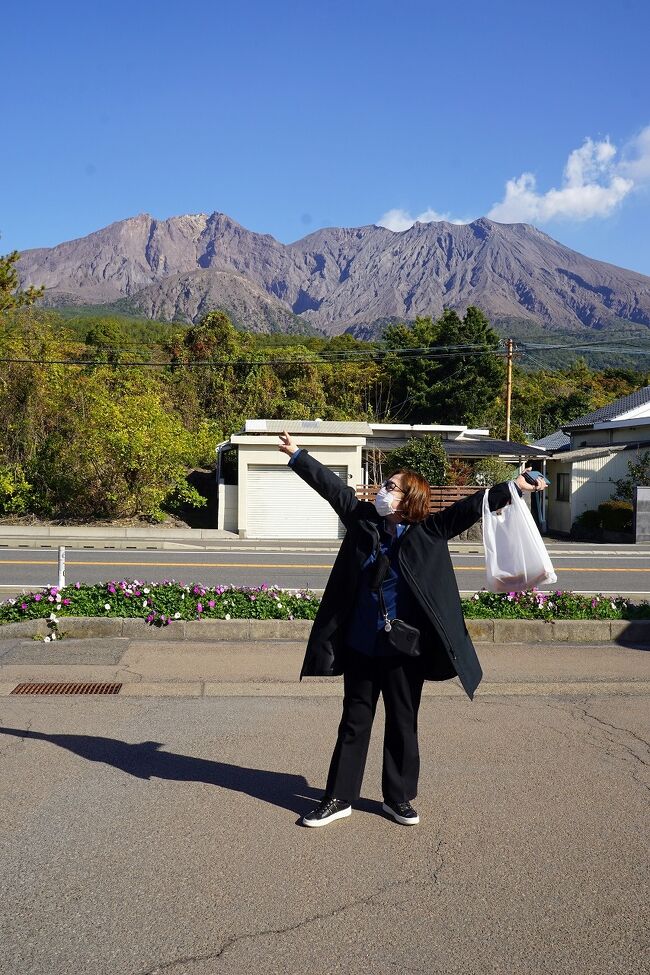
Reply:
x=441 y=495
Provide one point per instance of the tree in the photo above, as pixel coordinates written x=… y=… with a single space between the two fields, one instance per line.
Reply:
x=457 y=387
x=424 y=455
x=639 y=474
x=10 y=294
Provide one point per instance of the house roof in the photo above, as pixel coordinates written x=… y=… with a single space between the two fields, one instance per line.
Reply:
x=463 y=447
x=622 y=405
x=554 y=441
x=584 y=453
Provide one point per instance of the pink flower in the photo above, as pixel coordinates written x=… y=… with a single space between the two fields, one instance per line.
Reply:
x=66 y=602
x=77 y=585
x=23 y=605
x=211 y=604
x=38 y=597
x=199 y=608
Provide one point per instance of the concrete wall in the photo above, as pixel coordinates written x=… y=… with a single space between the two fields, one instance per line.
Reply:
x=642 y=514
x=228 y=507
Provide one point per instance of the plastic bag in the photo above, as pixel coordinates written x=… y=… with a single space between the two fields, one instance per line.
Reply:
x=515 y=555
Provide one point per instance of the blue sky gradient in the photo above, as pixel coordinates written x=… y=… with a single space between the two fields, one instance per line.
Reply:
x=291 y=116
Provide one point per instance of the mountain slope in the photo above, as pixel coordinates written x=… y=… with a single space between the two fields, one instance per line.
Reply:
x=339 y=279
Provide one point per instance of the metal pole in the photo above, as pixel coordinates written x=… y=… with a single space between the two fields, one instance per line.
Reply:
x=61 y=582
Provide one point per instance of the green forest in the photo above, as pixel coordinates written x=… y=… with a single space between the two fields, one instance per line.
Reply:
x=102 y=416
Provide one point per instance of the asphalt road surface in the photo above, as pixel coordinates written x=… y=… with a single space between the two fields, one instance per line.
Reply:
x=31 y=568
x=162 y=837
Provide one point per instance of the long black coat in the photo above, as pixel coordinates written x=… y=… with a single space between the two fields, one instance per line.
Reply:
x=425 y=563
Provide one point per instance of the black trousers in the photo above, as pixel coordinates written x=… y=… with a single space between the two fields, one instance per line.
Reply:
x=399 y=679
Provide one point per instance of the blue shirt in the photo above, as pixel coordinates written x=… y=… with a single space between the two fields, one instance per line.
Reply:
x=365 y=628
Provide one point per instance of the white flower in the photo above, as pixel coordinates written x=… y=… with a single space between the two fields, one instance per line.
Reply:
x=144 y=603
x=182 y=595
x=53 y=636
x=107 y=605
x=227 y=616
x=135 y=582
x=145 y=591
x=177 y=616
x=46 y=639
x=279 y=605
x=58 y=597
x=613 y=605
x=53 y=617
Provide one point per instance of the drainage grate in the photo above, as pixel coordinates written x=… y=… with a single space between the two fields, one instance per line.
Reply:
x=69 y=687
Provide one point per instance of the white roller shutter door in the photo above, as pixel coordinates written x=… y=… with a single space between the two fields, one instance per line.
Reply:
x=281 y=505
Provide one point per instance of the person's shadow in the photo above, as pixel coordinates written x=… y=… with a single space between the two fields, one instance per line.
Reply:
x=144 y=761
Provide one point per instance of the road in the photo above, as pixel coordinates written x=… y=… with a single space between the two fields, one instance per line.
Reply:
x=581 y=571
x=162 y=837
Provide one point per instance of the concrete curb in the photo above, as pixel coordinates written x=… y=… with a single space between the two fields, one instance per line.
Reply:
x=481 y=630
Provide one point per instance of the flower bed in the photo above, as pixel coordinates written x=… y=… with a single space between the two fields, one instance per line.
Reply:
x=558 y=605
x=160 y=603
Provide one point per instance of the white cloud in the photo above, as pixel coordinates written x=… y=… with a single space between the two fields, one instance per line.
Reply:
x=402 y=220
x=593 y=185
x=595 y=181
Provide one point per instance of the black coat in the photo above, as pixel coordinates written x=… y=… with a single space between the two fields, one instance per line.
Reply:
x=425 y=564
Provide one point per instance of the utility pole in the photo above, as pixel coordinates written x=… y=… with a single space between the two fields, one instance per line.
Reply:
x=508 y=388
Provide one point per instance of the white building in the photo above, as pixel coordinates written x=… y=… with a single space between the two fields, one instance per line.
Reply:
x=591 y=454
x=268 y=500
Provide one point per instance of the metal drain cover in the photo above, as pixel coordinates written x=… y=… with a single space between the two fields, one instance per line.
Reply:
x=68 y=687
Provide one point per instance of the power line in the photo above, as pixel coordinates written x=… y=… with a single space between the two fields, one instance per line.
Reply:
x=179 y=364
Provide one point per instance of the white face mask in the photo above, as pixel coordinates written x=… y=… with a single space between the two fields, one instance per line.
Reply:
x=384 y=502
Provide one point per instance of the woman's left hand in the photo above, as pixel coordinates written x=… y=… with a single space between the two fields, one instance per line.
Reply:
x=525 y=486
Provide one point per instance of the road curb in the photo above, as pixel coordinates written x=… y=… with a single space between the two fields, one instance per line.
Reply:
x=481 y=630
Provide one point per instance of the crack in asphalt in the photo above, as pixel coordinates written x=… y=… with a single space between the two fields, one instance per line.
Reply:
x=580 y=711
x=421 y=883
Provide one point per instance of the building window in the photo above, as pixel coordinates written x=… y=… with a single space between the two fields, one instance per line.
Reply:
x=563 y=487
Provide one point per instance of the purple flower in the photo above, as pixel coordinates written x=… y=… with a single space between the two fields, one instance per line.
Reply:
x=37 y=597
x=66 y=602
x=23 y=605
x=211 y=604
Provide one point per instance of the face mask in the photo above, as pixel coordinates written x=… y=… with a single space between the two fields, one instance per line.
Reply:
x=384 y=502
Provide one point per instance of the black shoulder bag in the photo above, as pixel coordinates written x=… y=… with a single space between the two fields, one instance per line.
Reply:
x=399 y=635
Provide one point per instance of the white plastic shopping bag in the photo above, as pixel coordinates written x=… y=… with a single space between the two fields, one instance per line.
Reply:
x=515 y=555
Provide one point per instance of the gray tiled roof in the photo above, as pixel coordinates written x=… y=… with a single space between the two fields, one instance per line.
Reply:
x=554 y=441
x=612 y=410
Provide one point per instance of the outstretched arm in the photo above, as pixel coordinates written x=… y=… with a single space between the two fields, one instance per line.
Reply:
x=461 y=515
x=319 y=477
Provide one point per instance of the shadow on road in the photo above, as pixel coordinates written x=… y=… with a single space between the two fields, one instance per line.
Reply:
x=143 y=760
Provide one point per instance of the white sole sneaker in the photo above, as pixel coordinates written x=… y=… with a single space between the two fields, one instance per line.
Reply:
x=413 y=821
x=328 y=819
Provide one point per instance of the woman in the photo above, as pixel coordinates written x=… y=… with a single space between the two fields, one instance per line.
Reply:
x=348 y=636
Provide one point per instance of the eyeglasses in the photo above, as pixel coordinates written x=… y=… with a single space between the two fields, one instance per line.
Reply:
x=391 y=486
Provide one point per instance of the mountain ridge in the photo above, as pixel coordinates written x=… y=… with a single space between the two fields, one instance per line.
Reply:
x=338 y=279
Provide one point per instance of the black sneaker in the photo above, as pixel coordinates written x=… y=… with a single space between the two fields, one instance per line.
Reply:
x=326 y=811
x=402 y=812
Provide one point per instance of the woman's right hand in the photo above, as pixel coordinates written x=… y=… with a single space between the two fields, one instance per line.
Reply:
x=288 y=446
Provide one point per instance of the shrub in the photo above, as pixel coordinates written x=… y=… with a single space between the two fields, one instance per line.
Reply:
x=424 y=455
x=490 y=470
x=589 y=520
x=616 y=516
x=15 y=491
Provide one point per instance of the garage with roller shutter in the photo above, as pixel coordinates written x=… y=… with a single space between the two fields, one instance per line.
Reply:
x=272 y=500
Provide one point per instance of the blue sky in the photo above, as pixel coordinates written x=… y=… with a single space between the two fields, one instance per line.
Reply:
x=290 y=116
